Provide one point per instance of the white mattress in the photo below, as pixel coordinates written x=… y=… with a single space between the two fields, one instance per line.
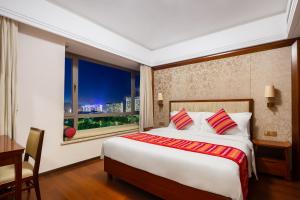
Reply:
x=201 y=171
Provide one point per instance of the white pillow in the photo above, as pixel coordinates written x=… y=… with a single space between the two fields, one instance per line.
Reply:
x=195 y=117
x=242 y=119
x=204 y=125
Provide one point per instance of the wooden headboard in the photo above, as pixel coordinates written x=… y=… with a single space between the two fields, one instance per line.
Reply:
x=230 y=105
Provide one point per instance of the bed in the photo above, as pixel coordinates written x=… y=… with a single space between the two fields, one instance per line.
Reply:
x=176 y=174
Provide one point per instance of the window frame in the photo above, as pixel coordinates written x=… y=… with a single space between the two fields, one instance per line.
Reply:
x=75 y=115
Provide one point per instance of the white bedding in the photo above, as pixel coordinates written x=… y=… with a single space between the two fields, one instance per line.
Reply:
x=201 y=171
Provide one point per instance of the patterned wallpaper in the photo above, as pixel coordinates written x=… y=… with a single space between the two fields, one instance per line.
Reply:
x=242 y=76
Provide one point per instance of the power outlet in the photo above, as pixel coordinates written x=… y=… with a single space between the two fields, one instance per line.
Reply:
x=271 y=133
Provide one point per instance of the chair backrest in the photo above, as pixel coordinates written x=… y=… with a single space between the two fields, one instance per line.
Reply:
x=34 y=147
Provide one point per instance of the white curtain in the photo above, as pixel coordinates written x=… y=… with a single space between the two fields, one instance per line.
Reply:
x=8 y=62
x=146 y=98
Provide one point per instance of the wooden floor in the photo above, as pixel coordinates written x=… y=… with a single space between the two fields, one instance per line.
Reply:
x=88 y=181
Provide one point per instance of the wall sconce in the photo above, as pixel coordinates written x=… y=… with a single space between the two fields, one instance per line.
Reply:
x=269 y=94
x=160 y=99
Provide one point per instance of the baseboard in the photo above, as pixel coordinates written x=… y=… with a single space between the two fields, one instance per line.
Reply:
x=69 y=166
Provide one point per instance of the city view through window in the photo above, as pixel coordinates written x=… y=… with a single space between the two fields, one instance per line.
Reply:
x=105 y=96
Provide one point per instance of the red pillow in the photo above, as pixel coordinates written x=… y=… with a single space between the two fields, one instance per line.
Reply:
x=69 y=132
x=181 y=120
x=221 y=122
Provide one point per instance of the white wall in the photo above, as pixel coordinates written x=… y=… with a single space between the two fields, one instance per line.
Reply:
x=40 y=99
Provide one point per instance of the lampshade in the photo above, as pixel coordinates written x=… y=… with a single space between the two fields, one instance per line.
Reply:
x=160 y=97
x=269 y=91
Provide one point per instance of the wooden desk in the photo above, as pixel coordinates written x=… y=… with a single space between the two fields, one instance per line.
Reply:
x=11 y=153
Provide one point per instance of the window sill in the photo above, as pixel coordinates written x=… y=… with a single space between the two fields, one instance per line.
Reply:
x=96 y=133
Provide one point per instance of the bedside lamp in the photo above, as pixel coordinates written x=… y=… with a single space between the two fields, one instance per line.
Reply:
x=269 y=94
x=160 y=99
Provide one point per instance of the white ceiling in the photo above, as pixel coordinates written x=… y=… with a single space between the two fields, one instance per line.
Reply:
x=81 y=49
x=154 y=24
x=100 y=55
x=257 y=25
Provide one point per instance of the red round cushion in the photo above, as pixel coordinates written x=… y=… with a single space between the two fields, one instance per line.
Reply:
x=69 y=132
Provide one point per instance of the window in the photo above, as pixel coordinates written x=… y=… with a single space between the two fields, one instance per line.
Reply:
x=100 y=98
x=137 y=93
x=99 y=122
x=102 y=89
x=68 y=86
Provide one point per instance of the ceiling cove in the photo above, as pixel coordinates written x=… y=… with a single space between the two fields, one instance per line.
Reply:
x=159 y=32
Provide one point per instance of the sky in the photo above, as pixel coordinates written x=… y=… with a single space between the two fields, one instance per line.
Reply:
x=97 y=84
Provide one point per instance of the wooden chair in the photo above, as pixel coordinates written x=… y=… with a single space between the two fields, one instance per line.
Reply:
x=30 y=174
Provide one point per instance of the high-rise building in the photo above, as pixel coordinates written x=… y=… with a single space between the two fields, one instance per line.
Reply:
x=114 y=107
x=118 y=107
x=99 y=108
x=127 y=104
x=91 y=108
x=137 y=104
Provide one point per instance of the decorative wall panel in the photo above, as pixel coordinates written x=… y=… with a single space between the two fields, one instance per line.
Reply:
x=236 y=77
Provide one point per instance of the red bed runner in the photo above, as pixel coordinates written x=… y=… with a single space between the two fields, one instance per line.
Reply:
x=231 y=153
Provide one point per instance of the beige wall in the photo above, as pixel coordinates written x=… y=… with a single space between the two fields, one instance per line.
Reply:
x=242 y=76
x=40 y=100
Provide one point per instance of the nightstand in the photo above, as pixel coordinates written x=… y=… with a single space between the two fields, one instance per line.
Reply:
x=148 y=128
x=273 y=157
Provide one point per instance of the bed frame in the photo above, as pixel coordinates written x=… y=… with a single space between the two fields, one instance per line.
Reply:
x=169 y=189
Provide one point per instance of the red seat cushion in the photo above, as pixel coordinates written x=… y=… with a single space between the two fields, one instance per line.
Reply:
x=221 y=122
x=181 y=120
x=69 y=132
